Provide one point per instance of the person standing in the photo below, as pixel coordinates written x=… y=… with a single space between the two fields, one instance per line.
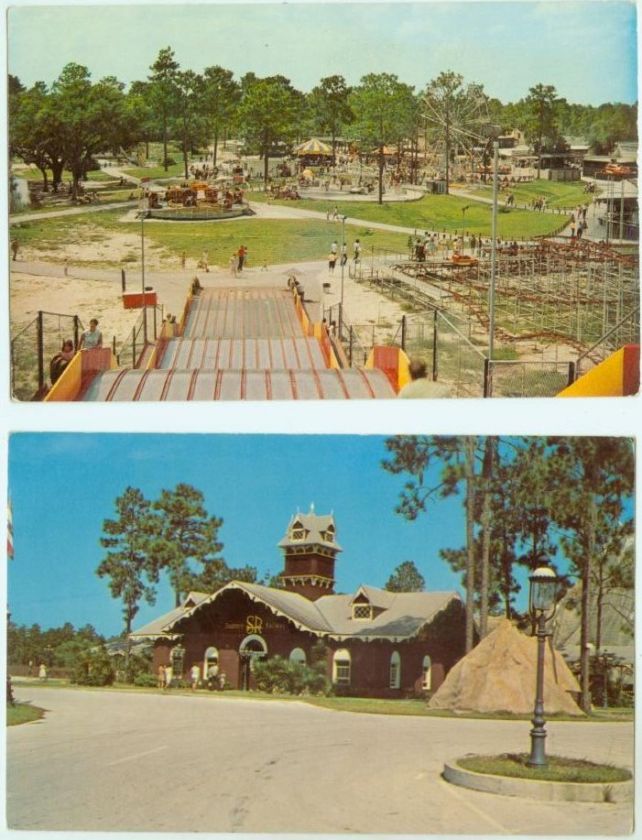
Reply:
x=420 y=387
x=356 y=251
x=195 y=676
x=242 y=254
x=42 y=672
x=15 y=247
x=332 y=259
x=92 y=337
x=344 y=254
x=160 y=681
x=169 y=676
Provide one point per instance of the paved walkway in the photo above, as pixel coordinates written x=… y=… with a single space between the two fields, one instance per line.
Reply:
x=122 y=761
x=68 y=211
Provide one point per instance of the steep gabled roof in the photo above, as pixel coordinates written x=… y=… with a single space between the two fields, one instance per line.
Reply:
x=316 y=530
x=402 y=617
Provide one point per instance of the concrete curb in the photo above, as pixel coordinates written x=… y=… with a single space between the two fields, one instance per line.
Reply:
x=544 y=791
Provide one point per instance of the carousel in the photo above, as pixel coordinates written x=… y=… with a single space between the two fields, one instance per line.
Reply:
x=220 y=198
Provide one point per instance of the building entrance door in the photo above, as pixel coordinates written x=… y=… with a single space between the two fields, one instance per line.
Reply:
x=252 y=647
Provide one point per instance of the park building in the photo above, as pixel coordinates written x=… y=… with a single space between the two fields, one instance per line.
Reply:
x=375 y=643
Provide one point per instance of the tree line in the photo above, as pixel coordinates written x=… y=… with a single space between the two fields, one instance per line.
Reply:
x=63 y=125
x=527 y=502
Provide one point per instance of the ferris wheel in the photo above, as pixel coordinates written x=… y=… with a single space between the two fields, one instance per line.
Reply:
x=457 y=128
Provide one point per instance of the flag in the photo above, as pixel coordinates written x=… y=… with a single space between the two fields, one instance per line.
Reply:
x=9 y=530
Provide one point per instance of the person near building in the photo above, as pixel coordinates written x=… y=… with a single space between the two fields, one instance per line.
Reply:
x=92 y=337
x=420 y=387
x=169 y=676
x=160 y=681
x=195 y=676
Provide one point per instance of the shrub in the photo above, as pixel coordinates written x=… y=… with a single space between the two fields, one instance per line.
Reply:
x=280 y=676
x=169 y=161
x=145 y=680
x=94 y=668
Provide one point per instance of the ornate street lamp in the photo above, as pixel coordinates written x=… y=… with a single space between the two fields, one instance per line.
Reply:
x=543 y=591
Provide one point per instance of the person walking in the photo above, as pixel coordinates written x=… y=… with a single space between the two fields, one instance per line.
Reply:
x=15 y=247
x=332 y=259
x=344 y=254
x=356 y=251
x=241 y=254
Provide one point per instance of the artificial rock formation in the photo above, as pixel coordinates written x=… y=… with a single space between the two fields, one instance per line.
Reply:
x=499 y=676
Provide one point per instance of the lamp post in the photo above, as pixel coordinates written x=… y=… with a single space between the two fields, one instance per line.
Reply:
x=493 y=256
x=343 y=245
x=543 y=589
x=142 y=275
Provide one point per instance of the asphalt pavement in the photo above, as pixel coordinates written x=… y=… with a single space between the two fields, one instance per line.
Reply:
x=120 y=761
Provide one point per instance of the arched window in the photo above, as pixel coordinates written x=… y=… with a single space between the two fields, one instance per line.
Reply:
x=426 y=669
x=341 y=663
x=297 y=656
x=395 y=670
x=210 y=662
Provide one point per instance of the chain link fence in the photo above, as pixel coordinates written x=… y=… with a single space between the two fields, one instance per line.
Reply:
x=516 y=378
x=32 y=349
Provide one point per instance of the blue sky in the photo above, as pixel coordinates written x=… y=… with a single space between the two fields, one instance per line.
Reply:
x=63 y=486
x=586 y=49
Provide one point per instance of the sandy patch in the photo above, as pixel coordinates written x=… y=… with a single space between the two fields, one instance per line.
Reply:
x=87 y=298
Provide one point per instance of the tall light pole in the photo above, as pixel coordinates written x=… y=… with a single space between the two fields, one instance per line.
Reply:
x=543 y=590
x=493 y=256
x=343 y=245
x=142 y=274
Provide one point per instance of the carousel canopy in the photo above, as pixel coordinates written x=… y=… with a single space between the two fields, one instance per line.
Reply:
x=313 y=147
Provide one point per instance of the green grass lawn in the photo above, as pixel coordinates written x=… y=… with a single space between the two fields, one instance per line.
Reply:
x=23 y=713
x=448 y=213
x=176 y=170
x=30 y=174
x=556 y=193
x=559 y=769
x=268 y=241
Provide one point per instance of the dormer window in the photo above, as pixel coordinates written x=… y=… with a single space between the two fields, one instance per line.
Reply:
x=328 y=534
x=298 y=531
x=361 y=612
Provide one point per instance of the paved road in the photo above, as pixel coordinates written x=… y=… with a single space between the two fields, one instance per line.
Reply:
x=110 y=761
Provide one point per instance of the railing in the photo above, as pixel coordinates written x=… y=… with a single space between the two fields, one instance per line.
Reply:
x=36 y=343
x=144 y=332
x=626 y=331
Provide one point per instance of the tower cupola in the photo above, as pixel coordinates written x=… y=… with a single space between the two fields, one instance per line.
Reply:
x=309 y=550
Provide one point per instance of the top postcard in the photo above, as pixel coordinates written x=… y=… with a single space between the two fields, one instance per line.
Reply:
x=323 y=201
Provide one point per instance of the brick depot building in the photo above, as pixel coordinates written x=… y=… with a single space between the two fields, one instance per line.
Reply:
x=377 y=643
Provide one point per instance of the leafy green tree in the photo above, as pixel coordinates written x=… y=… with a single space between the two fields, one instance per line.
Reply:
x=456 y=113
x=140 y=114
x=330 y=107
x=94 y=667
x=128 y=563
x=36 y=132
x=221 y=96
x=594 y=479
x=163 y=93
x=542 y=125
x=406 y=578
x=187 y=535
x=458 y=458
x=92 y=117
x=189 y=121
x=383 y=109
x=268 y=114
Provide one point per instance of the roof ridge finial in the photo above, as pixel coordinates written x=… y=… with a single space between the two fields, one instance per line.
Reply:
x=311 y=507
